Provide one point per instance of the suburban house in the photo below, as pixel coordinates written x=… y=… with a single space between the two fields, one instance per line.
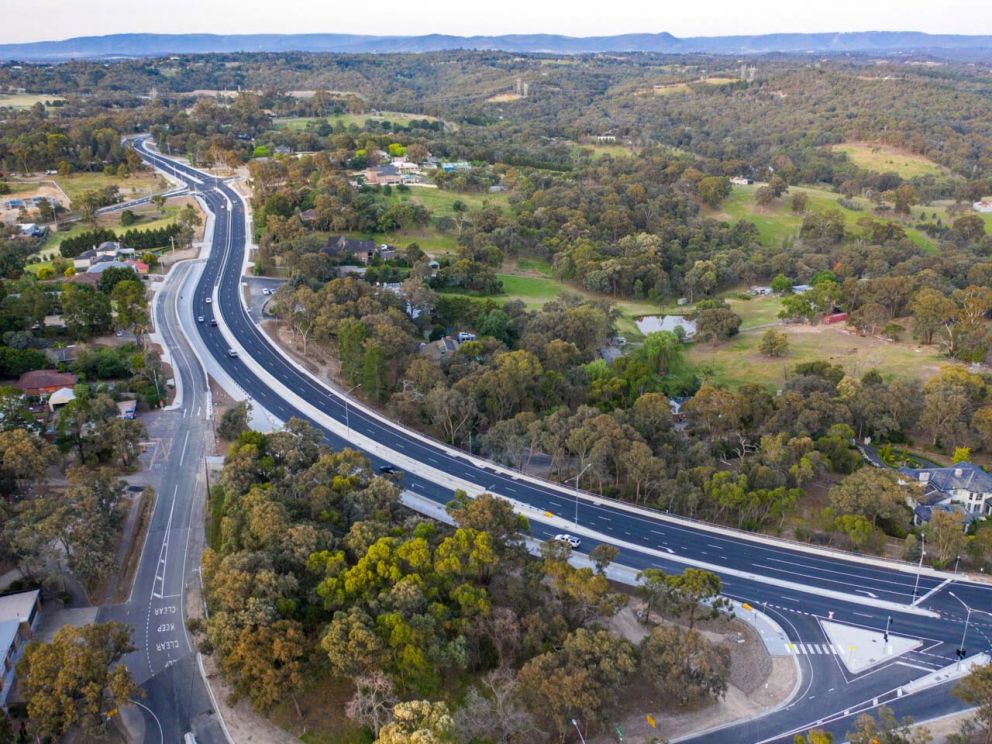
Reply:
x=741 y=181
x=383 y=175
x=962 y=485
x=42 y=382
x=84 y=260
x=984 y=206
x=457 y=165
x=339 y=247
x=18 y=613
x=308 y=215
x=438 y=350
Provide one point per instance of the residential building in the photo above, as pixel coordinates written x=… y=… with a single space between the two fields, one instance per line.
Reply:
x=18 y=615
x=741 y=181
x=384 y=175
x=127 y=409
x=964 y=484
x=984 y=206
x=457 y=165
x=340 y=247
x=42 y=382
x=438 y=350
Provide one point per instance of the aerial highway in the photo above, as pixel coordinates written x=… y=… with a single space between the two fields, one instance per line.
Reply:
x=799 y=587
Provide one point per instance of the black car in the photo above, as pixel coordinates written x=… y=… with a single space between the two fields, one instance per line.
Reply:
x=389 y=471
x=213 y=322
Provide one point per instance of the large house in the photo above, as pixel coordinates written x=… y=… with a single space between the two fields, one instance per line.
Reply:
x=18 y=613
x=384 y=174
x=963 y=485
x=41 y=382
x=339 y=247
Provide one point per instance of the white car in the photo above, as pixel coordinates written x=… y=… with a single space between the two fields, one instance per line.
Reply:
x=199 y=318
x=572 y=540
x=266 y=291
x=209 y=300
x=232 y=353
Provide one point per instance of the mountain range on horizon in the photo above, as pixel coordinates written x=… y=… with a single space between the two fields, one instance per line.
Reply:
x=155 y=45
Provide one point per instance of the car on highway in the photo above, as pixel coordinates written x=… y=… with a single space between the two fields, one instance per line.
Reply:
x=389 y=471
x=571 y=540
x=199 y=318
x=209 y=300
x=232 y=353
x=213 y=322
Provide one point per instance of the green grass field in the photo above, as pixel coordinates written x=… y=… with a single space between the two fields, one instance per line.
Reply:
x=299 y=123
x=441 y=202
x=25 y=100
x=777 y=222
x=137 y=184
x=536 y=291
x=738 y=360
x=598 y=151
x=883 y=159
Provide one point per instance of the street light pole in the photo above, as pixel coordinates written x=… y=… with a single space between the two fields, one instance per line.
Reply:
x=919 y=568
x=577 y=479
x=347 y=420
x=967 y=620
x=581 y=737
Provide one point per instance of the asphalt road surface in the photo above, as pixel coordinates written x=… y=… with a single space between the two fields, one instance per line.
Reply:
x=176 y=699
x=795 y=587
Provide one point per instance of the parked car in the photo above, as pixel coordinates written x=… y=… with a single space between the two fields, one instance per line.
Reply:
x=572 y=540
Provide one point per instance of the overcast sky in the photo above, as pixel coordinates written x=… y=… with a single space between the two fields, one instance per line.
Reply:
x=57 y=19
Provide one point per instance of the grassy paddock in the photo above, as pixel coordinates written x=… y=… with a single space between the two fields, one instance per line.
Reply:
x=133 y=186
x=738 y=361
x=777 y=221
x=299 y=123
x=884 y=159
x=25 y=100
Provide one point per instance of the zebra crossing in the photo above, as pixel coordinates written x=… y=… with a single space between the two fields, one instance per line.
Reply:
x=817 y=649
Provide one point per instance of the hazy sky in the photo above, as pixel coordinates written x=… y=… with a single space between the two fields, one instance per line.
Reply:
x=57 y=19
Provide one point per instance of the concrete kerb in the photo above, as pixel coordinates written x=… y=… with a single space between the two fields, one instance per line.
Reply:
x=213 y=698
x=589 y=497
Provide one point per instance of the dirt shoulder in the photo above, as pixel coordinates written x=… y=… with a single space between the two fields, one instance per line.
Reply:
x=758 y=683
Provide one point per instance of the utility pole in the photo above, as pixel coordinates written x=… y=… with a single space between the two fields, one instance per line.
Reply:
x=576 y=724
x=577 y=479
x=919 y=568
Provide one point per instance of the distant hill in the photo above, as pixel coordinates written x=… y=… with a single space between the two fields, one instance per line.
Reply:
x=154 y=45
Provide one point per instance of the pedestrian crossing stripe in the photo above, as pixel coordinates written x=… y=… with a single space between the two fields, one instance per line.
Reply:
x=815 y=649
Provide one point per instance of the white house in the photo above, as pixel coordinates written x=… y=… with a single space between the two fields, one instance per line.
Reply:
x=963 y=484
x=18 y=613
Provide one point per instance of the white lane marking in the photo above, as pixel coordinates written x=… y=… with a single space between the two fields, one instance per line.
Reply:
x=185 y=444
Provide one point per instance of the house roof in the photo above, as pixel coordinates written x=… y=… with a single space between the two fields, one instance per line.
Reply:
x=924 y=512
x=337 y=244
x=99 y=268
x=39 y=379
x=61 y=396
x=18 y=606
x=8 y=632
x=964 y=476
